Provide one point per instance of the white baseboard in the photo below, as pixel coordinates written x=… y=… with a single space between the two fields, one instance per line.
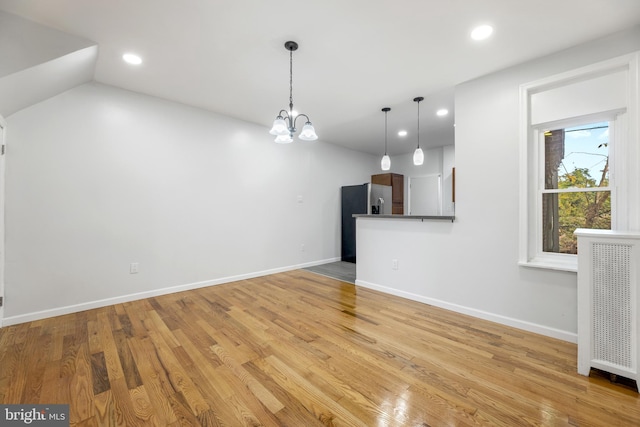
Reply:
x=497 y=318
x=59 y=311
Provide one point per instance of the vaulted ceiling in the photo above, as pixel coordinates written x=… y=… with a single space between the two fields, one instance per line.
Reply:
x=355 y=56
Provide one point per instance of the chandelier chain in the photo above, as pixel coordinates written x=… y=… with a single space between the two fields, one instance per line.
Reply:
x=290 y=81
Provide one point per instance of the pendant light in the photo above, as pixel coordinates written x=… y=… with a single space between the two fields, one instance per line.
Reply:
x=284 y=126
x=418 y=155
x=385 y=163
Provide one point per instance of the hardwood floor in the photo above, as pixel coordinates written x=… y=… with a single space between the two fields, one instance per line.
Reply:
x=300 y=349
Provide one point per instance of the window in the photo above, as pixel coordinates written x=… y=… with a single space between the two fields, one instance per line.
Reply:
x=579 y=159
x=577 y=186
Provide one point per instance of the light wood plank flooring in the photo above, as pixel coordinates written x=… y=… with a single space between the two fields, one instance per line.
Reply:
x=300 y=349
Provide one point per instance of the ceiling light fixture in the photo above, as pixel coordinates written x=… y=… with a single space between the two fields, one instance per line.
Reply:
x=481 y=32
x=385 y=163
x=418 y=155
x=132 y=58
x=402 y=133
x=284 y=126
x=442 y=112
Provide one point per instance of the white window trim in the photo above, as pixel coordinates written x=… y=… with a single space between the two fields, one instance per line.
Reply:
x=625 y=200
x=3 y=141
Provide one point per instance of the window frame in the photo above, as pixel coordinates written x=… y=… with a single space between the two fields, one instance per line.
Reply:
x=539 y=131
x=624 y=159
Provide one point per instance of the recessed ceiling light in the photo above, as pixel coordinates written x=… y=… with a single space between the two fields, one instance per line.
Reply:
x=402 y=133
x=481 y=32
x=132 y=58
x=442 y=112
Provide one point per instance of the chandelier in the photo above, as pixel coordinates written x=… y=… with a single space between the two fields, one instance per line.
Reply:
x=284 y=126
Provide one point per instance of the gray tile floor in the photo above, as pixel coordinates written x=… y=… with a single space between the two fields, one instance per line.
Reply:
x=341 y=270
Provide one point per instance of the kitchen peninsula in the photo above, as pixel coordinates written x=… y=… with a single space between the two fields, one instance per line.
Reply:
x=406 y=255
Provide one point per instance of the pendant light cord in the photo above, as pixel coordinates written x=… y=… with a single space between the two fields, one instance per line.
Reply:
x=385 y=133
x=418 y=124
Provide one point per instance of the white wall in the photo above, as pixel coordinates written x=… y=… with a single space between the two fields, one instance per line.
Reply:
x=25 y=44
x=98 y=178
x=38 y=62
x=471 y=265
x=448 y=164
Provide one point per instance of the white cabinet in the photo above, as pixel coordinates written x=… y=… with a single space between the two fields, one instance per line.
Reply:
x=608 y=300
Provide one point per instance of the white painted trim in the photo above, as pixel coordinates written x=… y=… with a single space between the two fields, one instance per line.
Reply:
x=624 y=166
x=524 y=155
x=552 y=264
x=29 y=317
x=503 y=320
x=583 y=73
x=631 y=173
x=3 y=141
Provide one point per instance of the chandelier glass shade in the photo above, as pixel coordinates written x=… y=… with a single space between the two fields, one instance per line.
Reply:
x=283 y=139
x=284 y=126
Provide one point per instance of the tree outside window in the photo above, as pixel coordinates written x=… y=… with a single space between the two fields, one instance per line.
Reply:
x=576 y=190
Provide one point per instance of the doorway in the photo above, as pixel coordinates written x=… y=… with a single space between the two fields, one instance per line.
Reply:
x=425 y=195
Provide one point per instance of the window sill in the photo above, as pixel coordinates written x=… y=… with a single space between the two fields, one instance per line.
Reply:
x=570 y=264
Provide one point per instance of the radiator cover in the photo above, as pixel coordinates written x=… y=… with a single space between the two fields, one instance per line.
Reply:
x=607 y=302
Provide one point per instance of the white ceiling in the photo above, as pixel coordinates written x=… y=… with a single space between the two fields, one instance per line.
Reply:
x=355 y=56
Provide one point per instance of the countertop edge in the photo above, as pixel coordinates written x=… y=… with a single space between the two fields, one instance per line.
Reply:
x=421 y=217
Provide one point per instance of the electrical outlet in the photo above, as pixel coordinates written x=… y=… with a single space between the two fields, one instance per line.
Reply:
x=133 y=268
x=394 y=264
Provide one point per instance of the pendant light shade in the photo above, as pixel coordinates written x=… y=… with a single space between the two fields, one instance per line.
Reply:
x=385 y=163
x=418 y=155
x=284 y=126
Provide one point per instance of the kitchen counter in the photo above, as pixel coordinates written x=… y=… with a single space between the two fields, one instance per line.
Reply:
x=420 y=217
